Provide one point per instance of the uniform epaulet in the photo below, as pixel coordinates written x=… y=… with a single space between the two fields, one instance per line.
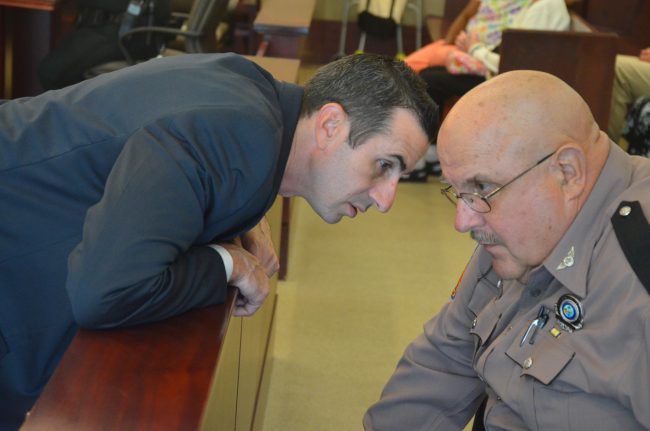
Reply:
x=633 y=233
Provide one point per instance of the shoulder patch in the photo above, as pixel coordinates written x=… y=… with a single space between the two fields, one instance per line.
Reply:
x=633 y=234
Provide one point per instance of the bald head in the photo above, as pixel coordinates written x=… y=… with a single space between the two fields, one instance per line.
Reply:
x=536 y=109
x=521 y=114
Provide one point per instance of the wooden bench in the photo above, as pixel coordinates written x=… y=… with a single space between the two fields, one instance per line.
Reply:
x=582 y=59
x=629 y=19
x=198 y=371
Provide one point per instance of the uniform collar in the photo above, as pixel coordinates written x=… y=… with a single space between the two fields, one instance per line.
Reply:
x=569 y=261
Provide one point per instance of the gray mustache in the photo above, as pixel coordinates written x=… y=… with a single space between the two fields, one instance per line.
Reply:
x=484 y=238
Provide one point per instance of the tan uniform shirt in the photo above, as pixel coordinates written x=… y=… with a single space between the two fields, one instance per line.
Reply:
x=596 y=377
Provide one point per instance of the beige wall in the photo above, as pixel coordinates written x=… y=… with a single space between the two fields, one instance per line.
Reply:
x=332 y=10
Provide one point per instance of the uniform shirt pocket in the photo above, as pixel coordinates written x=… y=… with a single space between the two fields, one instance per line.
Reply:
x=481 y=304
x=544 y=360
x=483 y=328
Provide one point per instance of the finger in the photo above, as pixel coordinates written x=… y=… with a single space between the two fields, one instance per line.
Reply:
x=245 y=310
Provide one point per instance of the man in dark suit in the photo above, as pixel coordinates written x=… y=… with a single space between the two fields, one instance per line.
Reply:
x=123 y=197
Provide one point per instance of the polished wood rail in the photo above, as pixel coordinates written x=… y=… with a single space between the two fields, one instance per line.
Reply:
x=150 y=377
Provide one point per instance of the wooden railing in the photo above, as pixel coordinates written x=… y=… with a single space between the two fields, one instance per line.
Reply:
x=154 y=376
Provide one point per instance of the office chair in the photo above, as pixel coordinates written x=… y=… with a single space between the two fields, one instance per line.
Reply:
x=196 y=34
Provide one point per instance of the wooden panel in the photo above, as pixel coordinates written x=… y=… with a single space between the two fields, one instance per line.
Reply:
x=263 y=390
x=585 y=61
x=255 y=336
x=148 y=377
x=275 y=220
x=285 y=16
x=28 y=30
x=614 y=15
x=220 y=412
x=630 y=19
x=283 y=23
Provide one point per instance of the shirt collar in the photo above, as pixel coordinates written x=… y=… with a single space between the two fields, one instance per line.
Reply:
x=570 y=259
x=290 y=96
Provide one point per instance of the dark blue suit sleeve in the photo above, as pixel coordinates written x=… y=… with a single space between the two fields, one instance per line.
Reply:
x=137 y=261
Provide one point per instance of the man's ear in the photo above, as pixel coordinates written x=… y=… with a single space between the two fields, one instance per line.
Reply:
x=572 y=162
x=331 y=125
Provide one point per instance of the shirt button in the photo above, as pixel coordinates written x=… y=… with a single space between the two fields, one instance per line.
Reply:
x=498 y=398
x=528 y=363
x=474 y=323
x=625 y=211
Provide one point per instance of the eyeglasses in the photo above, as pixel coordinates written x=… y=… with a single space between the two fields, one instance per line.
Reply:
x=478 y=202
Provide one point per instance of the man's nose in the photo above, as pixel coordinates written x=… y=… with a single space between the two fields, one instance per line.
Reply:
x=466 y=218
x=384 y=194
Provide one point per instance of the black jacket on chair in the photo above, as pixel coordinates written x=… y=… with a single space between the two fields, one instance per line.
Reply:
x=94 y=40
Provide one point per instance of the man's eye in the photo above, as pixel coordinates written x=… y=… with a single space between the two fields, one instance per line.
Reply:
x=484 y=188
x=385 y=165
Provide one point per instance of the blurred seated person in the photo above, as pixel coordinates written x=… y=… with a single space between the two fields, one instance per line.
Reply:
x=484 y=19
x=631 y=81
x=477 y=60
x=472 y=60
x=94 y=40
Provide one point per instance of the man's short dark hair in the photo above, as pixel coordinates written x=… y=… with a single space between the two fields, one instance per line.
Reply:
x=370 y=87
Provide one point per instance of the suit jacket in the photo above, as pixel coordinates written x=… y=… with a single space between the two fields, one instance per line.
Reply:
x=111 y=188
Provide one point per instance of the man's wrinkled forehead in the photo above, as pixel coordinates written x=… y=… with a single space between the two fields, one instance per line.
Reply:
x=475 y=138
x=470 y=156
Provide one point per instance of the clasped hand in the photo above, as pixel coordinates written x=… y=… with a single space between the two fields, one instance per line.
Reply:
x=254 y=263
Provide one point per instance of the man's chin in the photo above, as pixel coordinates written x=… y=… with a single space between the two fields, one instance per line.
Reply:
x=491 y=248
x=331 y=218
x=506 y=268
x=336 y=216
x=497 y=251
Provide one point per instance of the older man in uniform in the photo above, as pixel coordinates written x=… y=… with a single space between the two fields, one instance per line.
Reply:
x=550 y=323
